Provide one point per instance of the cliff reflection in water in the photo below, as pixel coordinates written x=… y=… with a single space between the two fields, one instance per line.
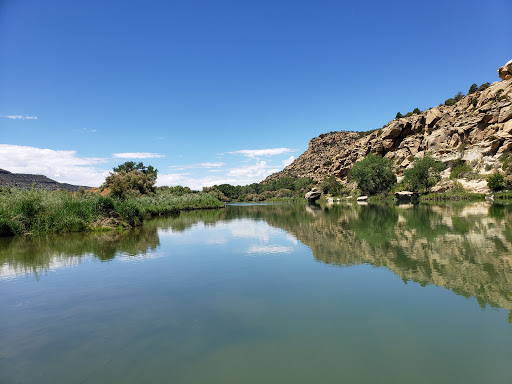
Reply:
x=464 y=248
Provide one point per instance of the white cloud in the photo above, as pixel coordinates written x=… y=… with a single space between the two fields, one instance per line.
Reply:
x=288 y=161
x=199 y=165
x=243 y=175
x=259 y=170
x=20 y=117
x=136 y=155
x=261 y=152
x=60 y=165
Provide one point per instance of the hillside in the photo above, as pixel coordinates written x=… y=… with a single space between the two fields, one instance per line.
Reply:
x=25 y=181
x=477 y=129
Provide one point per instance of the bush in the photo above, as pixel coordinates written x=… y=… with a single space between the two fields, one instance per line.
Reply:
x=473 y=89
x=416 y=111
x=460 y=169
x=130 y=179
x=398 y=115
x=484 y=86
x=495 y=182
x=331 y=185
x=374 y=174
x=424 y=174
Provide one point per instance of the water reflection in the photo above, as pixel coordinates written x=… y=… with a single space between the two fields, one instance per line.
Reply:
x=464 y=248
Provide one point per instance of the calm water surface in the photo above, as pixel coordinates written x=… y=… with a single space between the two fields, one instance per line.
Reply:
x=265 y=294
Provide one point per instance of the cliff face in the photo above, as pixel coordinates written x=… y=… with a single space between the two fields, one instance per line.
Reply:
x=477 y=129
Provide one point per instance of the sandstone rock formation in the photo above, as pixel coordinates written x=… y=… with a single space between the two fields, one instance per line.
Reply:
x=505 y=72
x=313 y=195
x=477 y=129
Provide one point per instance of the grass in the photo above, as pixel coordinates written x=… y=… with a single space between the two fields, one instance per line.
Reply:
x=452 y=196
x=39 y=211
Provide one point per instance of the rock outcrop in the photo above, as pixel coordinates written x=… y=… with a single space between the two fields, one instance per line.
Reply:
x=505 y=72
x=313 y=195
x=477 y=129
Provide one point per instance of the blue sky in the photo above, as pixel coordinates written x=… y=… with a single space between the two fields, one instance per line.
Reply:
x=224 y=91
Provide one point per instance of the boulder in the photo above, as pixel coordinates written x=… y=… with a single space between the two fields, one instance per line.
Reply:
x=406 y=195
x=433 y=115
x=505 y=114
x=505 y=72
x=392 y=131
x=313 y=195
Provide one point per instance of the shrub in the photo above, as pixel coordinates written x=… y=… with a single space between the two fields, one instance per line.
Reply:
x=484 y=86
x=424 y=174
x=373 y=174
x=472 y=89
x=495 y=182
x=130 y=179
x=474 y=101
x=398 y=115
x=331 y=185
x=460 y=169
x=416 y=111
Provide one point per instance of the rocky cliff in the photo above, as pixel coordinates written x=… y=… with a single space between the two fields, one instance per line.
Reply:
x=24 y=180
x=477 y=128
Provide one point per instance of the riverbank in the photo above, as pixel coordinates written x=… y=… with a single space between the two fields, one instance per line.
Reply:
x=33 y=212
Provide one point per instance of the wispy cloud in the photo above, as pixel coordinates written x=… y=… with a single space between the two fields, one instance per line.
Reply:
x=196 y=166
x=288 y=161
x=61 y=165
x=136 y=155
x=20 y=117
x=261 y=152
x=243 y=175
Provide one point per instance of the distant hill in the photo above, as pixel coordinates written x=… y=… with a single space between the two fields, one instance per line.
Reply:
x=26 y=181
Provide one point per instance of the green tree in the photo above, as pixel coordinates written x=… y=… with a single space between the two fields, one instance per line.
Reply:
x=496 y=181
x=416 y=111
x=398 y=115
x=424 y=174
x=374 y=174
x=130 y=179
x=331 y=185
x=473 y=89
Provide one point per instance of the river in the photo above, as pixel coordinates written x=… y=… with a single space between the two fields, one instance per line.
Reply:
x=270 y=293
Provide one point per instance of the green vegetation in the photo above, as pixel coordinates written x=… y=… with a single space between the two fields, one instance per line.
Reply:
x=283 y=188
x=416 y=111
x=366 y=133
x=496 y=182
x=451 y=196
x=459 y=96
x=374 y=174
x=460 y=169
x=130 y=197
x=131 y=179
x=424 y=174
x=331 y=186
x=40 y=211
x=472 y=89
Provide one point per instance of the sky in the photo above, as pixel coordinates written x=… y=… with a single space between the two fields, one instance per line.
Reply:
x=213 y=92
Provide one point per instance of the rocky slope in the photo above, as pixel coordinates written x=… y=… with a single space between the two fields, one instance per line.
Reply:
x=477 y=129
x=23 y=180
